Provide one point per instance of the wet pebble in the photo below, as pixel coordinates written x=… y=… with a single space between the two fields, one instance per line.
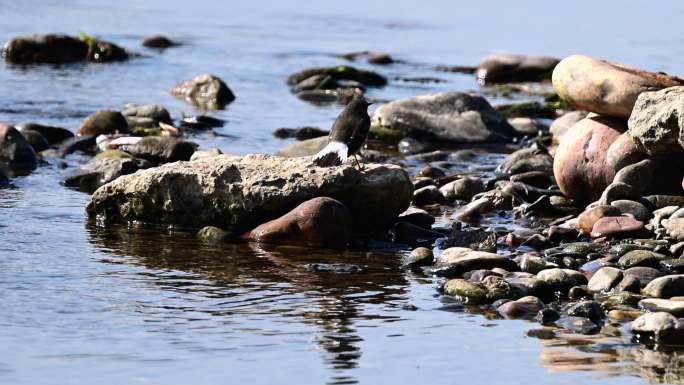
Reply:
x=644 y=258
x=420 y=256
x=525 y=307
x=547 y=316
x=464 y=188
x=427 y=195
x=418 y=217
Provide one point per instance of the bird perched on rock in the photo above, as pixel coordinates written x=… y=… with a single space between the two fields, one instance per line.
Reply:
x=347 y=136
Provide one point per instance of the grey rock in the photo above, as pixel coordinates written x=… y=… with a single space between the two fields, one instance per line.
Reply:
x=451 y=116
x=157 y=113
x=464 y=188
x=633 y=208
x=205 y=91
x=161 y=149
x=526 y=160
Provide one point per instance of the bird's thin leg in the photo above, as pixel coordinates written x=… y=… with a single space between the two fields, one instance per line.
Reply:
x=358 y=164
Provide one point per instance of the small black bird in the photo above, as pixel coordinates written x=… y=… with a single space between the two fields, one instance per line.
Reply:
x=347 y=136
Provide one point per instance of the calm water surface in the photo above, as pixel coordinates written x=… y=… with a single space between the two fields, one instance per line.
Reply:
x=83 y=305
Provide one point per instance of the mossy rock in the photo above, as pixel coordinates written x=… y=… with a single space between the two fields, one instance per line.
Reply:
x=212 y=234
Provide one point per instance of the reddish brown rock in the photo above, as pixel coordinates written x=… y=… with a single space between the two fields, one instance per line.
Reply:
x=613 y=227
x=524 y=307
x=580 y=165
x=318 y=222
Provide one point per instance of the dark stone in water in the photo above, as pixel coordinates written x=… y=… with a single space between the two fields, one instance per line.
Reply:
x=36 y=140
x=53 y=135
x=17 y=157
x=547 y=316
x=417 y=217
x=427 y=195
x=367 y=78
x=58 y=49
x=578 y=292
x=104 y=122
x=301 y=133
x=201 y=122
x=85 y=143
x=162 y=149
x=407 y=233
x=337 y=268
x=158 y=41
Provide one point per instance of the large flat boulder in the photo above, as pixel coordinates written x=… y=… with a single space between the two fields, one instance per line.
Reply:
x=239 y=193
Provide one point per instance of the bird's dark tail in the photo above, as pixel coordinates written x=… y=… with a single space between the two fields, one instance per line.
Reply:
x=334 y=154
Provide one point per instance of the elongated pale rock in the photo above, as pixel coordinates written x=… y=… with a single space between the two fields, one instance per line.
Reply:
x=605 y=87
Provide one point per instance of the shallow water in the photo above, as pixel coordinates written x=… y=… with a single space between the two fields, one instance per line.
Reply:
x=81 y=304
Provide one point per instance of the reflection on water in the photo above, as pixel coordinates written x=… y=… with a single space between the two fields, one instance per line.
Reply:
x=250 y=280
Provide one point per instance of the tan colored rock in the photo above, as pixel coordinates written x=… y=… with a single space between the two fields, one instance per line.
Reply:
x=605 y=87
x=241 y=192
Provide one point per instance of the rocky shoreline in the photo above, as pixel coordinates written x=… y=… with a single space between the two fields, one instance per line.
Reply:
x=594 y=180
